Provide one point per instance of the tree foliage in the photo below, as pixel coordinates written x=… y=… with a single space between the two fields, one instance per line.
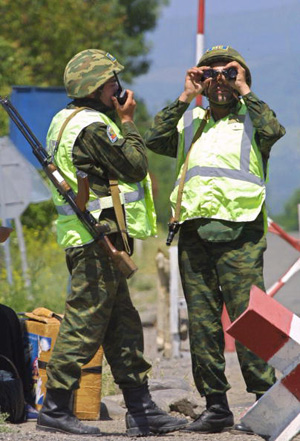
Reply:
x=38 y=37
x=289 y=218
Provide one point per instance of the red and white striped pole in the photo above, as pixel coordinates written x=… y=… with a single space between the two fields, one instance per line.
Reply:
x=283 y=279
x=200 y=39
x=274 y=228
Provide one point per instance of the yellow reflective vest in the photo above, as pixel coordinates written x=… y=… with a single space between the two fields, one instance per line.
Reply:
x=137 y=198
x=225 y=175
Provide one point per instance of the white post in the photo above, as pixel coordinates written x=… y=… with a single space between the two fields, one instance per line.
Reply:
x=7 y=257
x=3 y=215
x=22 y=248
x=138 y=248
x=200 y=39
x=174 y=295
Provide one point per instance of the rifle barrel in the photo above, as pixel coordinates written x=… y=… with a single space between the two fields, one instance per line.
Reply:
x=37 y=148
x=121 y=259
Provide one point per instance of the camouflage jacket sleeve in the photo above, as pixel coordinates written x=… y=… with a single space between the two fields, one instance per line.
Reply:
x=268 y=128
x=102 y=158
x=162 y=137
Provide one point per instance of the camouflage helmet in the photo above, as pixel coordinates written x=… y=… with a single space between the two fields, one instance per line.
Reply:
x=224 y=53
x=88 y=70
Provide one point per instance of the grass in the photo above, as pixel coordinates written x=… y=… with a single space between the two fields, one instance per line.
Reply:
x=4 y=427
x=46 y=270
x=143 y=285
x=108 y=386
x=49 y=276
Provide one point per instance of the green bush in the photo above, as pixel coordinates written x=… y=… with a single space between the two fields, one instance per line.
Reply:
x=49 y=277
x=4 y=427
x=47 y=273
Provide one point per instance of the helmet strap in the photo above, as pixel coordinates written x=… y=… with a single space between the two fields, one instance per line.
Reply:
x=224 y=105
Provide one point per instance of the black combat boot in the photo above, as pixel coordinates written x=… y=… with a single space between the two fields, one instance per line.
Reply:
x=215 y=418
x=144 y=417
x=56 y=415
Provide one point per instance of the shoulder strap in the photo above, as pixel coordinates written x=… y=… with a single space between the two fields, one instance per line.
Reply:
x=67 y=120
x=185 y=166
x=115 y=194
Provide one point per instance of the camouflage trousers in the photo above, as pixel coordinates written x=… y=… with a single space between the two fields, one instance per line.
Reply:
x=98 y=312
x=212 y=274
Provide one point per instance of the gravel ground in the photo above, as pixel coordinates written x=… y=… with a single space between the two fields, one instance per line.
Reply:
x=114 y=430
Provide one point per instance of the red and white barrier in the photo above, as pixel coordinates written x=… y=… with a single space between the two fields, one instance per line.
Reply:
x=275 y=337
x=283 y=279
x=295 y=243
x=276 y=229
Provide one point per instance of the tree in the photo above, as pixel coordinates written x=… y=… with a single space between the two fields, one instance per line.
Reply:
x=289 y=219
x=38 y=37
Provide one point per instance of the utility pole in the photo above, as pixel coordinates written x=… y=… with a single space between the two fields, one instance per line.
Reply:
x=200 y=39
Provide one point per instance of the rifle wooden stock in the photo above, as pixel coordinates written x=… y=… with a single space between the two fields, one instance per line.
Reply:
x=77 y=202
x=120 y=258
x=83 y=191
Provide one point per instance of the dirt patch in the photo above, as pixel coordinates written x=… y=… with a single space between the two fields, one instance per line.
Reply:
x=114 y=430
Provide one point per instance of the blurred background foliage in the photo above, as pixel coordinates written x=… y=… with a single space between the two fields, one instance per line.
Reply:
x=49 y=276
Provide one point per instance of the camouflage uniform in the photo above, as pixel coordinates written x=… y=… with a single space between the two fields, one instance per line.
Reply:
x=99 y=310
x=219 y=261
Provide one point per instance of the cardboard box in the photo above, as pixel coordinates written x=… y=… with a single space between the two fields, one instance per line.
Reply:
x=41 y=329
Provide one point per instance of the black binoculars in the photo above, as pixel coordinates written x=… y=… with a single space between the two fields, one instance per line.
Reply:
x=229 y=74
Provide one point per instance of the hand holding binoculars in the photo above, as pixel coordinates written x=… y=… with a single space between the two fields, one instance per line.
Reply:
x=229 y=74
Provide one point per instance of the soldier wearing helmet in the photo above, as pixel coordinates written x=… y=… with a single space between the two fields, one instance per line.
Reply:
x=218 y=206
x=85 y=140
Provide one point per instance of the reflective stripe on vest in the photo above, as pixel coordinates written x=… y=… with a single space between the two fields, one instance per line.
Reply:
x=246 y=144
x=220 y=183
x=105 y=202
x=137 y=197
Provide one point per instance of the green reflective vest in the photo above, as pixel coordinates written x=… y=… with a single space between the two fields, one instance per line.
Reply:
x=137 y=198
x=225 y=175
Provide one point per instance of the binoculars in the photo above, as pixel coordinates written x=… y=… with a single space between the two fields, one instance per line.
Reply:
x=229 y=74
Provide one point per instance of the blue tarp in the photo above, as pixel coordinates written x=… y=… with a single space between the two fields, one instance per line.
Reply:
x=37 y=106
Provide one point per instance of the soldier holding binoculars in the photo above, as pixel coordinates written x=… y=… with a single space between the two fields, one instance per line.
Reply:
x=218 y=206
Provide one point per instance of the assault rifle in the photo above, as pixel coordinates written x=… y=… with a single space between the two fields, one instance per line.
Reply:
x=78 y=202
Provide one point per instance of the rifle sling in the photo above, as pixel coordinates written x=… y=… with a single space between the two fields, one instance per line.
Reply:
x=115 y=194
x=197 y=135
x=113 y=187
x=79 y=109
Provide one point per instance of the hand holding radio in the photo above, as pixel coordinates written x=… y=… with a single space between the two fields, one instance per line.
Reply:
x=121 y=94
x=124 y=102
x=125 y=111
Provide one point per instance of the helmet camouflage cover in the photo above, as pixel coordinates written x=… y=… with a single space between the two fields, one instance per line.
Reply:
x=88 y=70
x=224 y=53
